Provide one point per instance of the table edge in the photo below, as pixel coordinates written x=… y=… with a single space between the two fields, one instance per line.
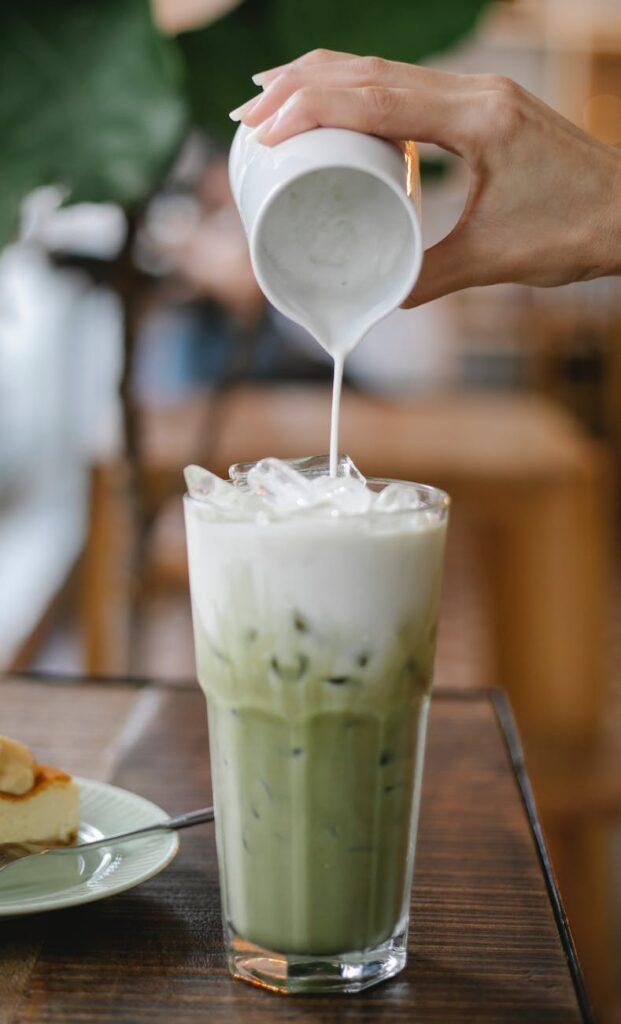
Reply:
x=509 y=731
x=184 y=683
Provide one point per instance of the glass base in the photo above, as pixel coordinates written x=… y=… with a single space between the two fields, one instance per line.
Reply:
x=290 y=973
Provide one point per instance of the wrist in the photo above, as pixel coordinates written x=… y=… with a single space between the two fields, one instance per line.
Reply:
x=610 y=226
x=616 y=261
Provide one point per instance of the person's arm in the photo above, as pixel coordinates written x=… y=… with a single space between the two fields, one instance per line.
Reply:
x=544 y=206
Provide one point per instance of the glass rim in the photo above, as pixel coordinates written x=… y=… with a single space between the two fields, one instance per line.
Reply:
x=436 y=501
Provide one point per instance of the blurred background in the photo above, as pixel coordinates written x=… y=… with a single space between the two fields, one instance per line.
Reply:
x=134 y=340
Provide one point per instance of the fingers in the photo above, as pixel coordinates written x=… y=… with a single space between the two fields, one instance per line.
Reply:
x=356 y=71
x=428 y=116
x=367 y=94
x=263 y=78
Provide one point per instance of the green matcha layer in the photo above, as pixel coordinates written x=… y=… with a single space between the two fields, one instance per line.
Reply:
x=314 y=824
x=316 y=751
x=301 y=668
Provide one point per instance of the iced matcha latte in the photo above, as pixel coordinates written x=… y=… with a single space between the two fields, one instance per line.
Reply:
x=315 y=604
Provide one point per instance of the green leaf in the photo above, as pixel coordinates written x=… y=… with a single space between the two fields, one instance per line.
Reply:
x=91 y=98
x=407 y=30
x=220 y=59
x=259 y=34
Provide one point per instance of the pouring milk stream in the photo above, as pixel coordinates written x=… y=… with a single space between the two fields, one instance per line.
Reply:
x=332 y=220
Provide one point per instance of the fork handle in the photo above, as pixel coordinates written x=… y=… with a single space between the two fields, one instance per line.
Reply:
x=168 y=825
x=187 y=820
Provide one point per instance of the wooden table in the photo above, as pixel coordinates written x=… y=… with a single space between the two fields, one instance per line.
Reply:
x=489 y=941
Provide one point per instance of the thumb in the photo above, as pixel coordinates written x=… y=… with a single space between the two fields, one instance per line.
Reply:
x=450 y=265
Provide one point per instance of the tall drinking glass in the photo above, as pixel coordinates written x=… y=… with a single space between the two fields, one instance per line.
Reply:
x=315 y=639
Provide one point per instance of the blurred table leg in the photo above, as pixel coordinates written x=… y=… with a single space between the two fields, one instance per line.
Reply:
x=548 y=576
x=104 y=608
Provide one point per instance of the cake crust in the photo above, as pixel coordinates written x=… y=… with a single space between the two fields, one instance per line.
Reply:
x=45 y=776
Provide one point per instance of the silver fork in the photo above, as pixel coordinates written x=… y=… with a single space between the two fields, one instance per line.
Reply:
x=12 y=853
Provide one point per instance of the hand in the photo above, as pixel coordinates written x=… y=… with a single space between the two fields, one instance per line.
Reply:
x=544 y=206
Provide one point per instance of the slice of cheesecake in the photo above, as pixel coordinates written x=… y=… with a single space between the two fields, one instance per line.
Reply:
x=38 y=804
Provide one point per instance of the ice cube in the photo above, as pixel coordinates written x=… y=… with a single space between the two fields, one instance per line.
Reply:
x=319 y=466
x=345 y=495
x=220 y=495
x=238 y=474
x=397 y=497
x=346 y=467
x=203 y=485
x=280 y=485
x=310 y=465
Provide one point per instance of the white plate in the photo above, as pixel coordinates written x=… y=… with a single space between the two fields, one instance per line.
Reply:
x=50 y=883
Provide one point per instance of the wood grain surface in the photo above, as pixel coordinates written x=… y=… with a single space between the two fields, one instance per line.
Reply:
x=485 y=944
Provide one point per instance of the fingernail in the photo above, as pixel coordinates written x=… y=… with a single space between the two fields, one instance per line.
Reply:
x=258 y=78
x=244 y=108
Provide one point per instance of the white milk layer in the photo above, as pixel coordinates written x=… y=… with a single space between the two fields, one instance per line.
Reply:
x=345 y=595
